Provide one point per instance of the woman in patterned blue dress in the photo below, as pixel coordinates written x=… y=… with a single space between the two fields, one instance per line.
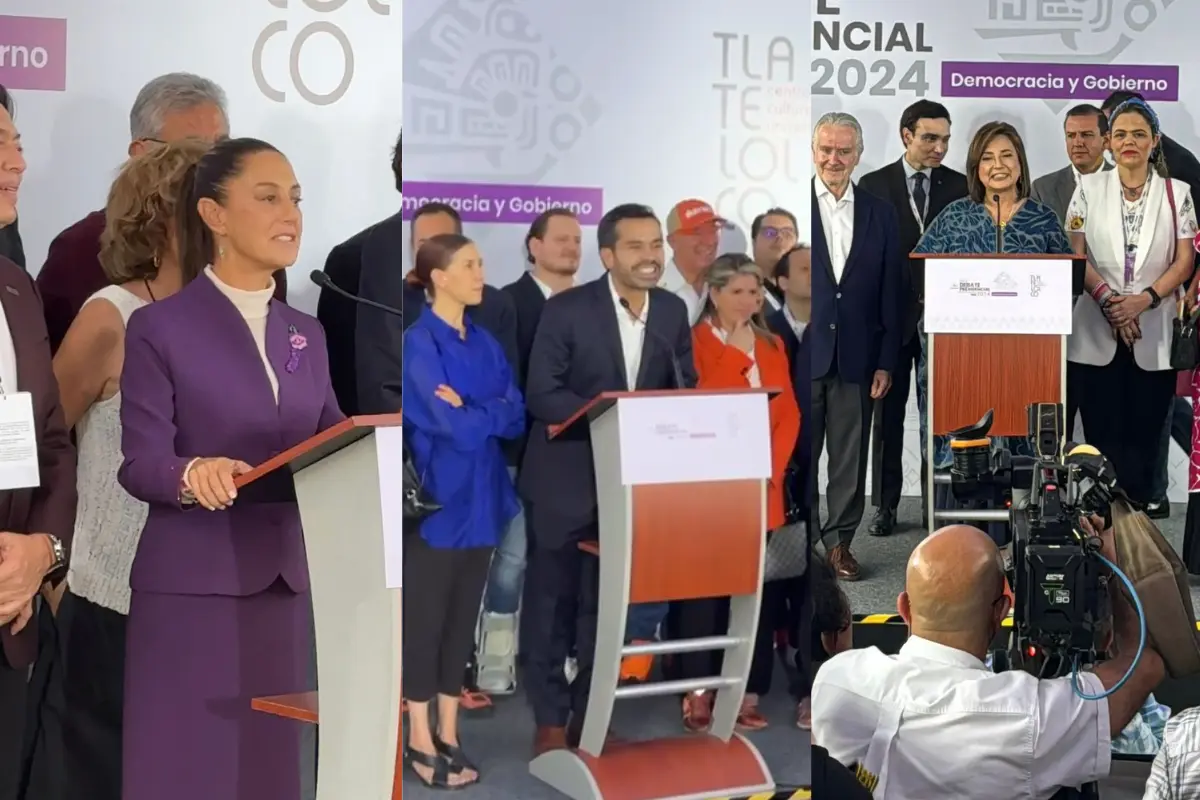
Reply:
x=996 y=166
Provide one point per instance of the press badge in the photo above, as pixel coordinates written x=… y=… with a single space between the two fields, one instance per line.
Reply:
x=18 y=443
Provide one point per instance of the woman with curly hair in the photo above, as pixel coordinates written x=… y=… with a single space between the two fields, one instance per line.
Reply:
x=140 y=258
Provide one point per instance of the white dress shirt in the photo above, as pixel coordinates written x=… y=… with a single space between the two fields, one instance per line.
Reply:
x=545 y=287
x=673 y=281
x=909 y=172
x=8 y=357
x=934 y=722
x=1098 y=211
x=837 y=222
x=797 y=326
x=633 y=335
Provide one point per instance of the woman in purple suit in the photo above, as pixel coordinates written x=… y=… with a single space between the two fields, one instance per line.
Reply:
x=218 y=377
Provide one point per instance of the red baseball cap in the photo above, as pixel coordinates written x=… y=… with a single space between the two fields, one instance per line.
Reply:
x=691 y=216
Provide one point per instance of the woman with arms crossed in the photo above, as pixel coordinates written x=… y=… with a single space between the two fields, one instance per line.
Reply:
x=218 y=377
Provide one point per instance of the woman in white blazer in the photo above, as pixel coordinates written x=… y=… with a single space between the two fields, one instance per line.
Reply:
x=1135 y=225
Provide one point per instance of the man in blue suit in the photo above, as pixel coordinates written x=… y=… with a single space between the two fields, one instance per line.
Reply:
x=858 y=298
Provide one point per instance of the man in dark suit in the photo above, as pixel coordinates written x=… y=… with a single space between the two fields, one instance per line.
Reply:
x=792 y=276
x=552 y=249
x=11 y=246
x=379 y=336
x=169 y=108
x=859 y=302
x=607 y=335
x=36 y=523
x=918 y=186
x=1086 y=130
x=381 y=243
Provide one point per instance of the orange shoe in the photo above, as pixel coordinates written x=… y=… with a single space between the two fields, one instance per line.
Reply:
x=637 y=669
x=749 y=718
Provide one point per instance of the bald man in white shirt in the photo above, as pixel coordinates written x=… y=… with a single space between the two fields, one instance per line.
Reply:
x=933 y=721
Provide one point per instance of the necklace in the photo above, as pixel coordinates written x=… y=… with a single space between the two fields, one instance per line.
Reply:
x=149 y=291
x=1133 y=192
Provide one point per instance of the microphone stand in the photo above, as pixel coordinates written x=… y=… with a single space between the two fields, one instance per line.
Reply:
x=999 y=225
x=325 y=282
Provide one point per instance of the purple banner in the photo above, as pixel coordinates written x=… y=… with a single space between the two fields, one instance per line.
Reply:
x=33 y=53
x=504 y=203
x=1057 y=81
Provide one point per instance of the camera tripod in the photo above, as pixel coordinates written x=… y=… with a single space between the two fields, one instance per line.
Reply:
x=1002 y=661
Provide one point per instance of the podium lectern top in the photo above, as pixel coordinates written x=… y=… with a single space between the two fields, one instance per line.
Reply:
x=605 y=400
x=316 y=448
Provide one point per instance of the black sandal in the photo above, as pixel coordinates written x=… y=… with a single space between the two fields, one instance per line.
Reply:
x=441 y=770
x=456 y=760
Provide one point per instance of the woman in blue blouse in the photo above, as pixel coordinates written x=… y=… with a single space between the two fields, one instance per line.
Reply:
x=460 y=400
x=996 y=166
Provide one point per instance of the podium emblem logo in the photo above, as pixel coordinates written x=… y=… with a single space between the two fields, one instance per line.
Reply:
x=1004 y=286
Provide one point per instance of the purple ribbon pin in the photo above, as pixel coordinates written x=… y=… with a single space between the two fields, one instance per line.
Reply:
x=296 y=342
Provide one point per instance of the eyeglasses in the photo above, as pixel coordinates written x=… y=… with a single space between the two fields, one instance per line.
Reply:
x=779 y=233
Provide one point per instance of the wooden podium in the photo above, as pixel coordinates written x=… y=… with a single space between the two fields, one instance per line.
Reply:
x=681 y=496
x=352 y=534
x=996 y=327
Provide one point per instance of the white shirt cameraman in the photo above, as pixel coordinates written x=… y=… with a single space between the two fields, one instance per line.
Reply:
x=933 y=722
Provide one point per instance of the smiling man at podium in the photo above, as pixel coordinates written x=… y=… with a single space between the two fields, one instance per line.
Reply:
x=618 y=333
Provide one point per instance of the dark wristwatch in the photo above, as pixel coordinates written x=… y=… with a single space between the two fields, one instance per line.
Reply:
x=1155 y=300
x=58 y=569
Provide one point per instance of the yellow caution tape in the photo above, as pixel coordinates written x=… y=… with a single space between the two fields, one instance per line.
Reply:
x=797 y=794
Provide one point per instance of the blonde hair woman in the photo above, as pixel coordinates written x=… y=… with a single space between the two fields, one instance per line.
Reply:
x=139 y=257
x=734 y=349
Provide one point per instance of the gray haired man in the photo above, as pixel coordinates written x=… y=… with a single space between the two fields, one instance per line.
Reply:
x=167 y=109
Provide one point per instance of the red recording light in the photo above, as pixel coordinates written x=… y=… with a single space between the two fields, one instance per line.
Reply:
x=1032 y=651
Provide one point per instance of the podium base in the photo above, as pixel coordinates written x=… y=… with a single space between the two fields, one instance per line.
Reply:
x=661 y=769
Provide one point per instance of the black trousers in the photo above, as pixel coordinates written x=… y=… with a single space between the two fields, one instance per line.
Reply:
x=30 y=741
x=94 y=692
x=442 y=589
x=887 y=432
x=1124 y=408
x=693 y=619
x=561 y=595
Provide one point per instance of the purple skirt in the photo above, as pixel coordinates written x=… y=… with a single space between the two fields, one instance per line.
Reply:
x=193 y=664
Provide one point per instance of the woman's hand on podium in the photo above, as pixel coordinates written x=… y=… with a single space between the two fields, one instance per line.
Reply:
x=210 y=481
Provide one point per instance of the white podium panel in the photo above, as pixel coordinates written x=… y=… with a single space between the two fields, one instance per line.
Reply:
x=342 y=501
x=998 y=295
x=693 y=439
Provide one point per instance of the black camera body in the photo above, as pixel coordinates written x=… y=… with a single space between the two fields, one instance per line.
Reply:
x=1060 y=590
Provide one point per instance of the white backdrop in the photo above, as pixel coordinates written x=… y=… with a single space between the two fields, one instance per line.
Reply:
x=1068 y=48
x=611 y=103
x=326 y=91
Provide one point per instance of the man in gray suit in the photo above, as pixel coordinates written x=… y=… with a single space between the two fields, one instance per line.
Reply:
x=1086 y=128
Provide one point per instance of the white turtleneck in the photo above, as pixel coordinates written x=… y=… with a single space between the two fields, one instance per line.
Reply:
x=254 y=307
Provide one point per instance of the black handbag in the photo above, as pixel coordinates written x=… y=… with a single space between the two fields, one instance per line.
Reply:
x=418 y=502
x=1185 y=341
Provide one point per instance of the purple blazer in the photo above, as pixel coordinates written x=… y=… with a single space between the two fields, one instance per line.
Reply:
x=193 y=385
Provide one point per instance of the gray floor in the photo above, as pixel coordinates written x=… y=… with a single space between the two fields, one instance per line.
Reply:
x=883 y=558
x=500 y=745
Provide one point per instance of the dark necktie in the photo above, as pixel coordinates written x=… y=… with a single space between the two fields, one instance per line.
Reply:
x=918 y=195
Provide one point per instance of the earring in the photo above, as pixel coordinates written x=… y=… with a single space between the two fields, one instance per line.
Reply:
x=220 y=251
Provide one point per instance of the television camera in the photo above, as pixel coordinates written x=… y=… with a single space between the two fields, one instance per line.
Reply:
x=1061 y=602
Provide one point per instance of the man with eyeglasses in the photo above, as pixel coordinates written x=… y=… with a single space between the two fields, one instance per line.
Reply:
x=918 y=185
x=169 y=108
x=774 y=234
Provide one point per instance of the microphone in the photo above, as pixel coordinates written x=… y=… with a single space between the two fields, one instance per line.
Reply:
x=676 y=369
x=325 y=282
x=999 y=226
